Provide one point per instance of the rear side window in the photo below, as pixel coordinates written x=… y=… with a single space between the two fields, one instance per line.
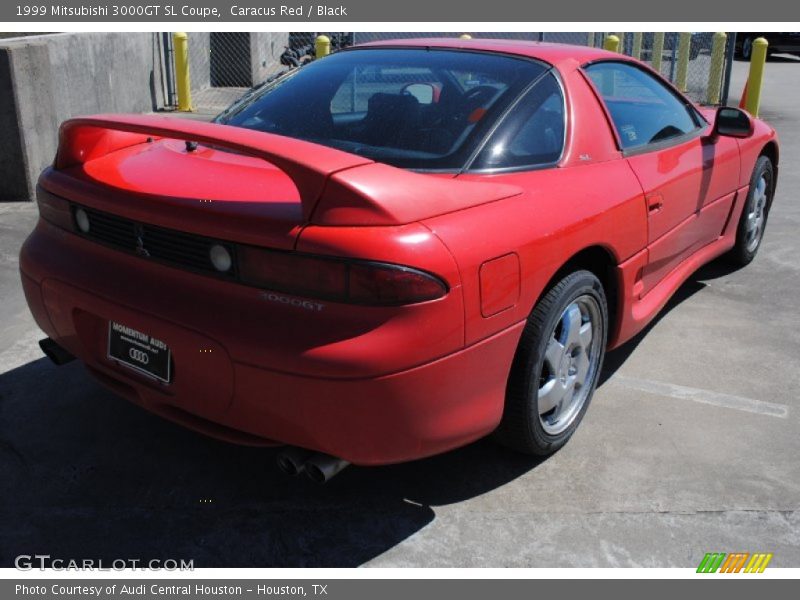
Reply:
x=644 y=110
x=532 y=134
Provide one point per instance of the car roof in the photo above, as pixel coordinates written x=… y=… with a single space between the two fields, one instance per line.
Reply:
x=548 y=52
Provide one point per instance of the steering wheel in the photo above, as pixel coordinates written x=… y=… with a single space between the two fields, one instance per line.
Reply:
x=474 y=98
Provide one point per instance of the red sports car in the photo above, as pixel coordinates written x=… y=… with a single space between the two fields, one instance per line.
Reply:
x=392 y=251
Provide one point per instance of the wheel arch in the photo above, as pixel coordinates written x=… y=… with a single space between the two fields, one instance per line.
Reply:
x=770 y=150
x=600 y=261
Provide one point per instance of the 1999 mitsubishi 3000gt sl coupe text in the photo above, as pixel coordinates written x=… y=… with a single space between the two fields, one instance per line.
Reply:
x=392 y=251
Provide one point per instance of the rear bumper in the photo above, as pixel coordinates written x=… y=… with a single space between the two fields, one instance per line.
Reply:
x=219 y=390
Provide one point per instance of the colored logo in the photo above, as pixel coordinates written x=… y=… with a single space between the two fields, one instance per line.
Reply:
x=738 y=562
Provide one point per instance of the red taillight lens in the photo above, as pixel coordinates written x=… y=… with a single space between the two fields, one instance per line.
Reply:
x=285 y=272
x=372 y=283
x=338 y=280
x=53 y=209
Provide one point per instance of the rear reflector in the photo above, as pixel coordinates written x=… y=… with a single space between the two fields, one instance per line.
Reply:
x=338 y=280
x=53 y=209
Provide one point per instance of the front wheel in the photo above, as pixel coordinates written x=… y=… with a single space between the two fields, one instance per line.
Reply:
x=556 y=367
x=753 y=221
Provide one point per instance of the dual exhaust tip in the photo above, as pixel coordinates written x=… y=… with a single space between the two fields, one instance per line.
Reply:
x=319 y=467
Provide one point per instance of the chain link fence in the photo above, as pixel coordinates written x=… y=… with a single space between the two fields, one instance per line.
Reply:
x=224 y=65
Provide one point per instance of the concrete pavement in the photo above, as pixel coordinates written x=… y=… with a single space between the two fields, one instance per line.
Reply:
x=690 y=446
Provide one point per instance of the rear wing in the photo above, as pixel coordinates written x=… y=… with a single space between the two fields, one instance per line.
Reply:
x=308 y=165
x=356 y=190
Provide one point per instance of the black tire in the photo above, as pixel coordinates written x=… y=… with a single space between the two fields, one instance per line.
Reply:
x=744 y=251
x=521 y=427
x=747 y=48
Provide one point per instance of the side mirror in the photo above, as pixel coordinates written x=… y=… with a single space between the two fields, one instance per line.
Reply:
x=425 y=93
x=732 y=122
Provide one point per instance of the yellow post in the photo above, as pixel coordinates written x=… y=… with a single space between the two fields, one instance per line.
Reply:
x=682 y=68
x=590 y=39
x=715 y=71
x=658 y=50
x=756 y=76
x=636 y=51
x=612 y=43
x=465 y=36
x=322 y=46
x=182 y=77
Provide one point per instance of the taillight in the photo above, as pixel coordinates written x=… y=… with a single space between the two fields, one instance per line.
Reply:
x=338 y=280
x=53 y=209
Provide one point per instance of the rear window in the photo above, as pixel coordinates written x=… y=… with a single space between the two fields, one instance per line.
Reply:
x=411 y=108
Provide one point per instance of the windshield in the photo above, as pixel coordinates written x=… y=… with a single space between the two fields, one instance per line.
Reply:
x=411 y=108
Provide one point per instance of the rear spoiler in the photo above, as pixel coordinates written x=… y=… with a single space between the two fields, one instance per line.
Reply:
x=357 y=190
x=307 y=165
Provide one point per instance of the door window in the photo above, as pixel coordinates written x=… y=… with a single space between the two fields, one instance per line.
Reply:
x=644 y=110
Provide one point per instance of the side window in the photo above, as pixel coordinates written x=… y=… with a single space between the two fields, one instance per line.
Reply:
x=532 y=134
x=644 y=110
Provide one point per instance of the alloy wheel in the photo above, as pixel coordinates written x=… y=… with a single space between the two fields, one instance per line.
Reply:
x=757 y=214
x=570 y=364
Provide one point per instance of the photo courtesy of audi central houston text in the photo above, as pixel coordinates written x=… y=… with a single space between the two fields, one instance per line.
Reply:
x=541 y=269
x=312 y=278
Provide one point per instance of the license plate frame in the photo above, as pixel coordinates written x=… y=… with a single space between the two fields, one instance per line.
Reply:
x=139 y=351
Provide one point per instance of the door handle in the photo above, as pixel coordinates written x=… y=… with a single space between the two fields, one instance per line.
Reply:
x=655 y=202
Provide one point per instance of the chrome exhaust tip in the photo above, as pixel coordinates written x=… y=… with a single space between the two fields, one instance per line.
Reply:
x=292 y=460
x=54 y=352
x=321 y=468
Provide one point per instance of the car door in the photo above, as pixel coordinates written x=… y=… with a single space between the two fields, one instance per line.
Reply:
x=688 y=179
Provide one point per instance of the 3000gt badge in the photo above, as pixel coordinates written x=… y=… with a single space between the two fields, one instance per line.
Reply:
x=292 y=301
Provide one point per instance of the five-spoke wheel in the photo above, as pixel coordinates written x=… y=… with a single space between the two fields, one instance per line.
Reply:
x=556 y=366
x=750 y=231
x=569 y=360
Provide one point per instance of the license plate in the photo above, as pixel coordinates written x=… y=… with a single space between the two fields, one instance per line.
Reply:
x=139 y=351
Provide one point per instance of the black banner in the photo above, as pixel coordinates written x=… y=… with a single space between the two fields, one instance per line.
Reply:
x=419 y=11
x=732 y=588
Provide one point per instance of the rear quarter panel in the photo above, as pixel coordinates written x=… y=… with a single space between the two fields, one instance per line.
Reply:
x=561 y=212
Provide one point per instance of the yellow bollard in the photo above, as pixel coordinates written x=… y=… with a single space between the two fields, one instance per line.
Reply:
x=182 y=77
x=465 y=36
x=322 y=46
x=636 y=51
x=756 y=76
x=590 y=39
x=715 y=71
x=682 y=67
x=612 y=43
x=658 y=50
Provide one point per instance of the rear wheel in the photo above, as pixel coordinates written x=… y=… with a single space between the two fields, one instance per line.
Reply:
x=753 y=221
x=556 y=367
